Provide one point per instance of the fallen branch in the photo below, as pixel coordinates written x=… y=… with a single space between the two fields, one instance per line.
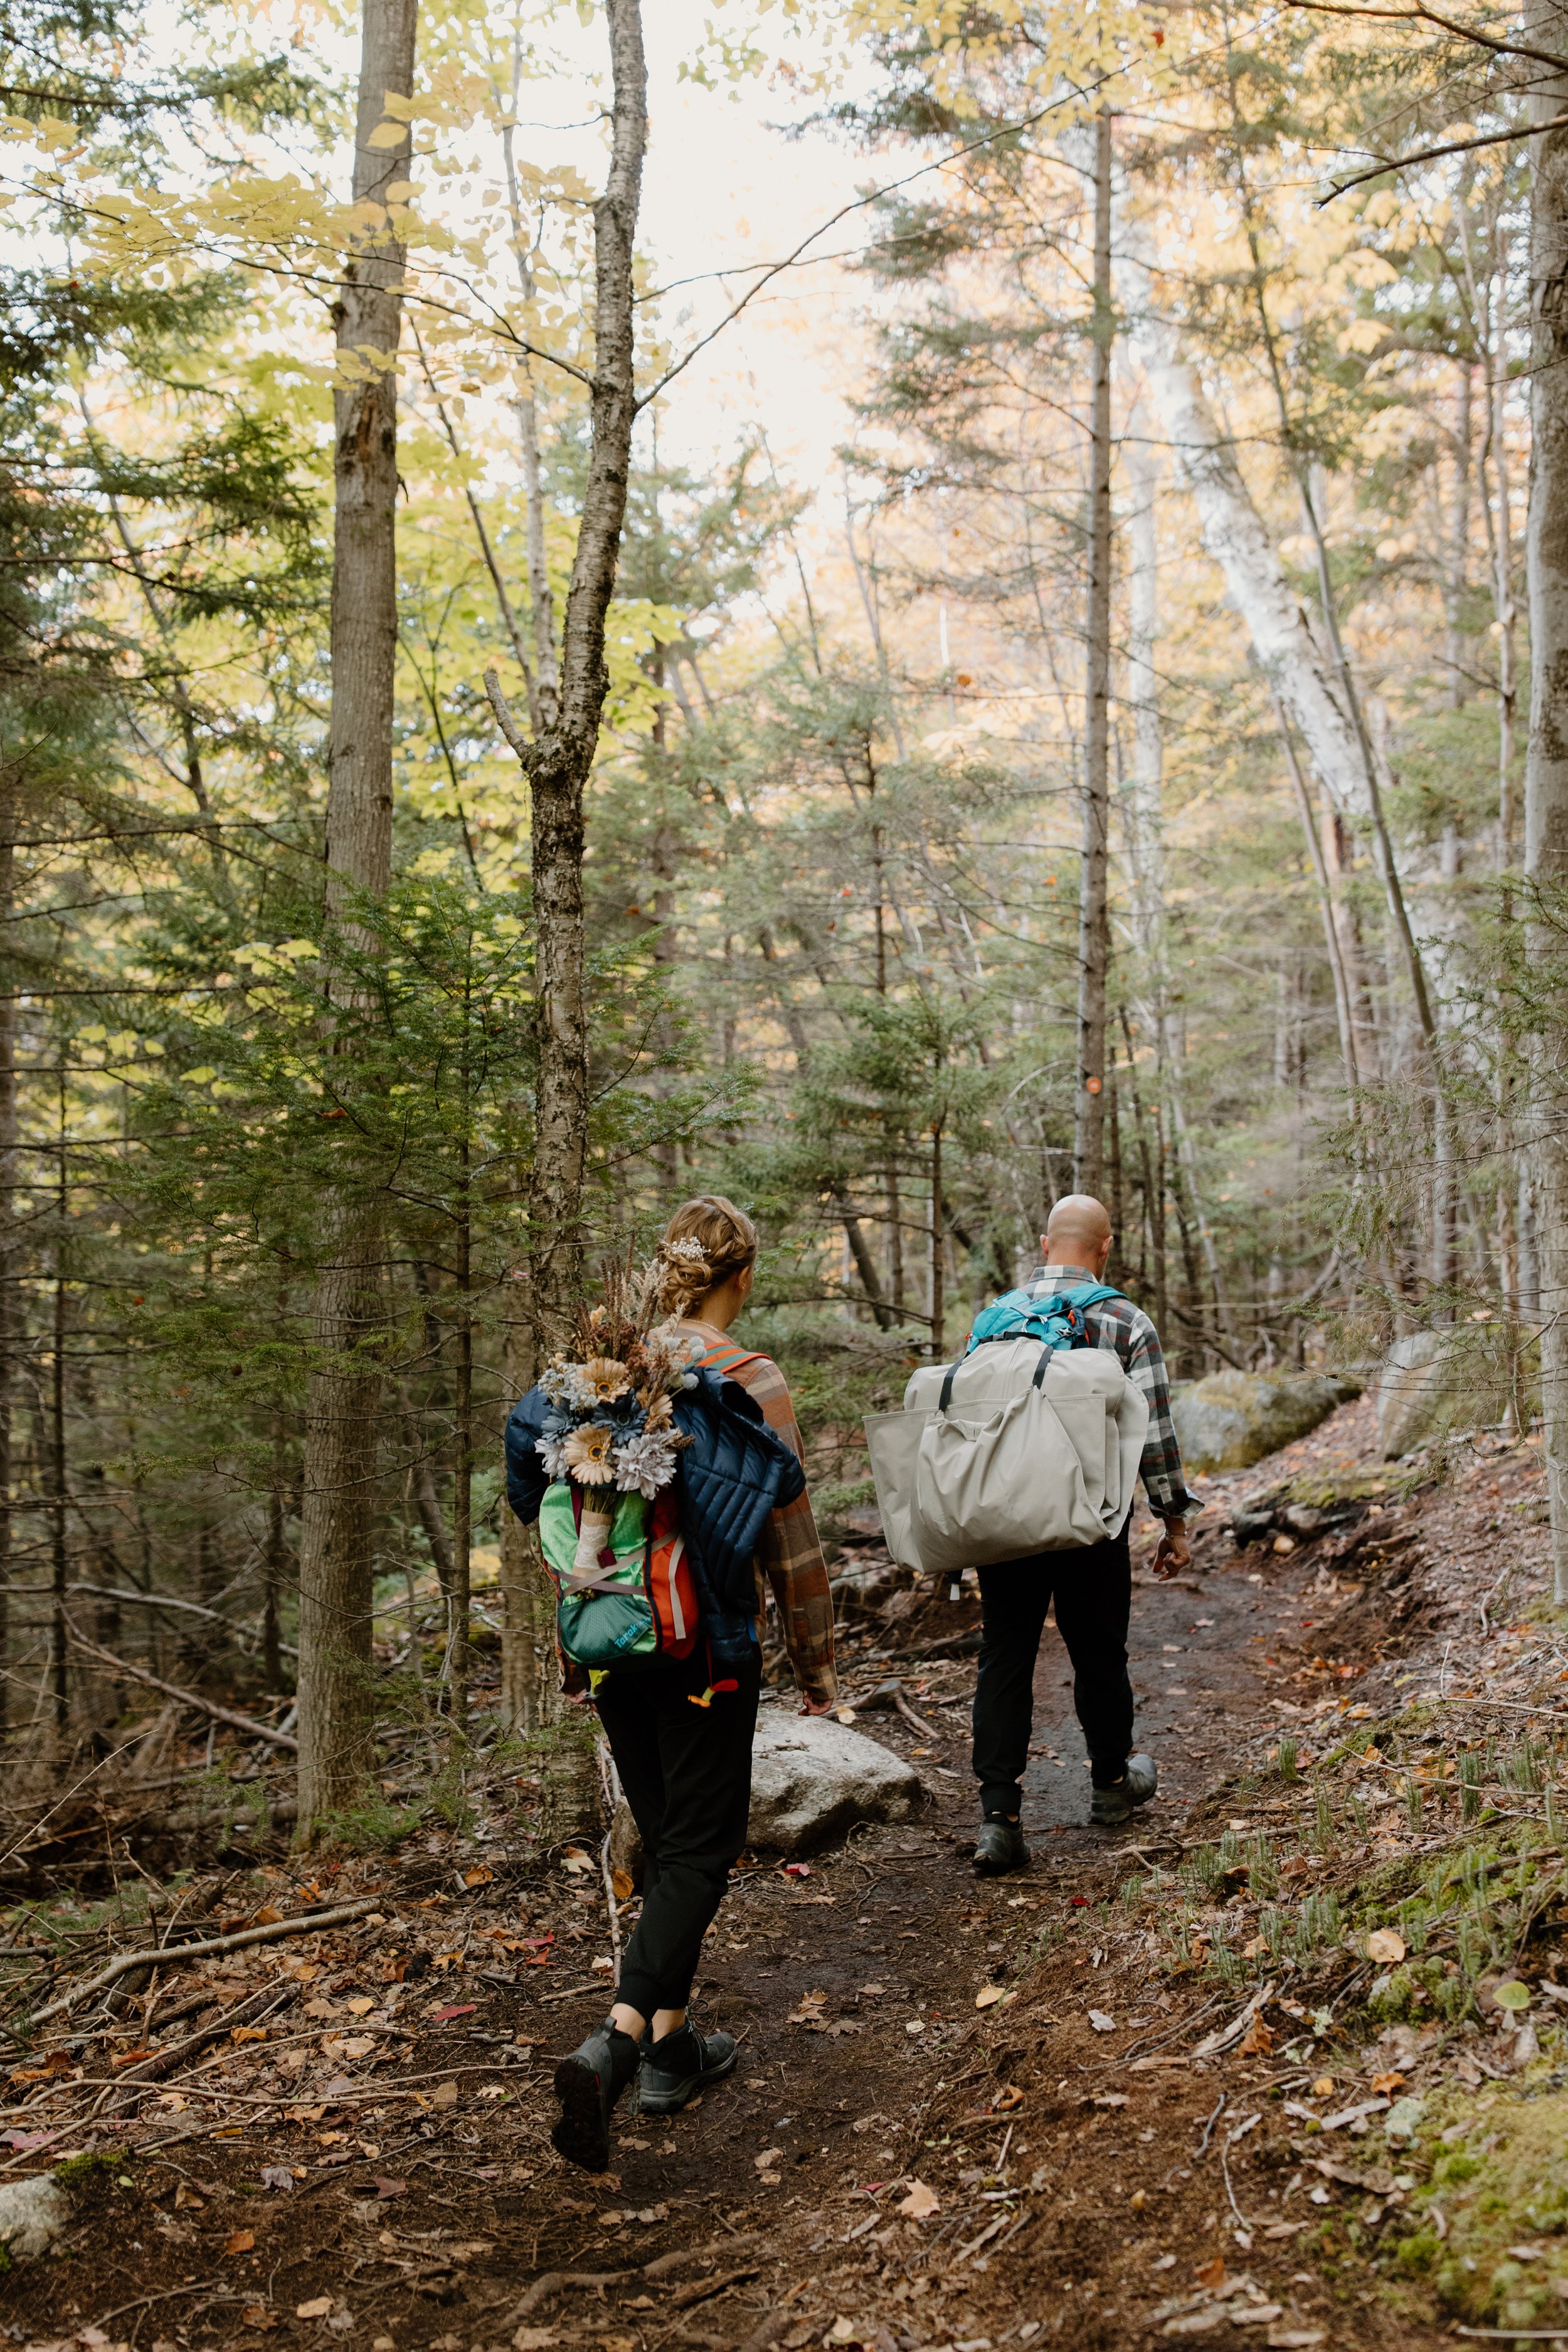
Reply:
x=168 y=1601
x=909 y=1716
x=554 y=2283
x=265 y=2003
x=701 y=2289
x=229 y=1715
x=166 y=1955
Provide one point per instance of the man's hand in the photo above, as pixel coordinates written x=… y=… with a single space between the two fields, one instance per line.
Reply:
x=1175 y=1551
x=812 y=1703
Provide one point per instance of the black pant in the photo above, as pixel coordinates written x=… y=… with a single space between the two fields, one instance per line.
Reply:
x=1093 y=1591
x=686 y=1773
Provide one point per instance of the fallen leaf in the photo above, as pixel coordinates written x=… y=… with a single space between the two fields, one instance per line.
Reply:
x=623 y=1884
x=321 y=2008
x=1212 y=2273
x=385 y=2189
x=239 y=2241
x=1100 y=2022
x=1512 y=1994
x=798 y=1870
x=1007 y=2097
x=445 y=2095
x=576 y=1860
x=532 y=2339
x=185 y=2195
x=458 y=2009
x=920 y=2203
x=277 y=2175
x=1254 y=1947
x=268 y=1916
x=1112 y=2099
x=988 y=1995
x=1381 y=2083
x=481 y=1877
x=359 y=2008
x=1257 y=2041
x=256 y=2314
x=1385 y=1943
x=248 y=2033
x=769 y=2155
x=317 y=2308
x=1323 y=2088
x=812 y=2005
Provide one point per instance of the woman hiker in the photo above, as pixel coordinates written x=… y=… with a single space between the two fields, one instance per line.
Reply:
x=684 y=1752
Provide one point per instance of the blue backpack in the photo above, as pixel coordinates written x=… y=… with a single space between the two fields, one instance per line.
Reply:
x=1056 y=1322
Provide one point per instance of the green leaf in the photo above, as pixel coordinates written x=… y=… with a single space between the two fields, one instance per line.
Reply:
x=1512 y=1995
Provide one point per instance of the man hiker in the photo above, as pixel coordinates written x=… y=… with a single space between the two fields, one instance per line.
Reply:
x=1092 y=1587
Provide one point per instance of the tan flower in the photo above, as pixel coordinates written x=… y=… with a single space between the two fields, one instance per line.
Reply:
x=606 y=1378
x=586 y=1453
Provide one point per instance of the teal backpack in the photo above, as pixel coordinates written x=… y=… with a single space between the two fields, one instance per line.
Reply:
x=1056 y=1322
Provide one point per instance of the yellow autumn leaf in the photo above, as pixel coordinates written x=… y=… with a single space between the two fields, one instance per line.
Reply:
x=1385 y=1943
x=388 y=134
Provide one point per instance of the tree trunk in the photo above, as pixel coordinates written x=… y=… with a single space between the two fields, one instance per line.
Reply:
x=10 y=1297
x=1546 y=764
x=557 y=760
x=336 y=1546
x=559 y=757
x=1093 y=919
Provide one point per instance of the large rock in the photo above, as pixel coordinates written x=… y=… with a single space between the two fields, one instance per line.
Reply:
x=33 y=2214
x=1462 y=1377
x=1412 y=1392
x=1234 y=1419
x=813 y=1780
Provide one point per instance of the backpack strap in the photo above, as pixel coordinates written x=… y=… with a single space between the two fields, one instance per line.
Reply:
x=724 y=1357
x=1041 y=1369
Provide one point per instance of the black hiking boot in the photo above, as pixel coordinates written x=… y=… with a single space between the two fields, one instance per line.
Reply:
x=999 y=1848
x=587 y=2084
x=675 y=2068
x=1110 y=1807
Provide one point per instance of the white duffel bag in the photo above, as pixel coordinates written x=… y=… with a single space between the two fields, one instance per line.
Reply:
x=1017 y=1448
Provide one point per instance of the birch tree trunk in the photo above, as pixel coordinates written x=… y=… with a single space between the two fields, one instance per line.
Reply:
x=1093 y=916
x=337 y=1523
x=1546 y=763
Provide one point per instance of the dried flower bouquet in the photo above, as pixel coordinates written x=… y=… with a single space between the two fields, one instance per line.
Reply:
x=610 y=1429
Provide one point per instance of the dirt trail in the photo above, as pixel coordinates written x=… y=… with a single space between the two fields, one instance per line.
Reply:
x=893 y=2165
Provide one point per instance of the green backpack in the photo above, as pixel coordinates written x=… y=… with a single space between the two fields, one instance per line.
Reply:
x=640 y=1608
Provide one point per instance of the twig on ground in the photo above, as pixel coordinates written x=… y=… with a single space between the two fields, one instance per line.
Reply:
x=926 y=1730
x=303 y=1923
x=1202 y=2147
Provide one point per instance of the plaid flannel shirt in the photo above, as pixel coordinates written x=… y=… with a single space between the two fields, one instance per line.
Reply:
x=790 y=1553
x=1124 y=1328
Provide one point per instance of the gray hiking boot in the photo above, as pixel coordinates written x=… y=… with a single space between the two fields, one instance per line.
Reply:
x=587 y=2084
x=1110 y=1807
x=684 y=2063
x=999 y=1848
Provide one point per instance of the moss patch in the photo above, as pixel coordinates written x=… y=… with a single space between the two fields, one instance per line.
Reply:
x=1490 y=2229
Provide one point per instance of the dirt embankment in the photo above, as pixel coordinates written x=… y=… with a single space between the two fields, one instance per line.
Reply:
x=1219 y=2074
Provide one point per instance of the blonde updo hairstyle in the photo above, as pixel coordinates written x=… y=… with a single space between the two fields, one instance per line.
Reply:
x=706 y=1243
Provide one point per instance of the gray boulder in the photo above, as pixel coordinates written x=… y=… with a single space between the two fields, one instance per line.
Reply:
x=813 y=1778
x=1412 y=1392
x=1233 y=1419
x=33 y=2214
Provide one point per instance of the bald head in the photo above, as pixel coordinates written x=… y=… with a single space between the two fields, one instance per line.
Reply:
x=1078 y=1232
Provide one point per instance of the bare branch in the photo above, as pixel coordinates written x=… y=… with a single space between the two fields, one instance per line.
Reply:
x=1430 y=154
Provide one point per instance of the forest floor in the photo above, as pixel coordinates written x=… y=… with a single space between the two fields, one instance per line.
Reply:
x=1156 y=2085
